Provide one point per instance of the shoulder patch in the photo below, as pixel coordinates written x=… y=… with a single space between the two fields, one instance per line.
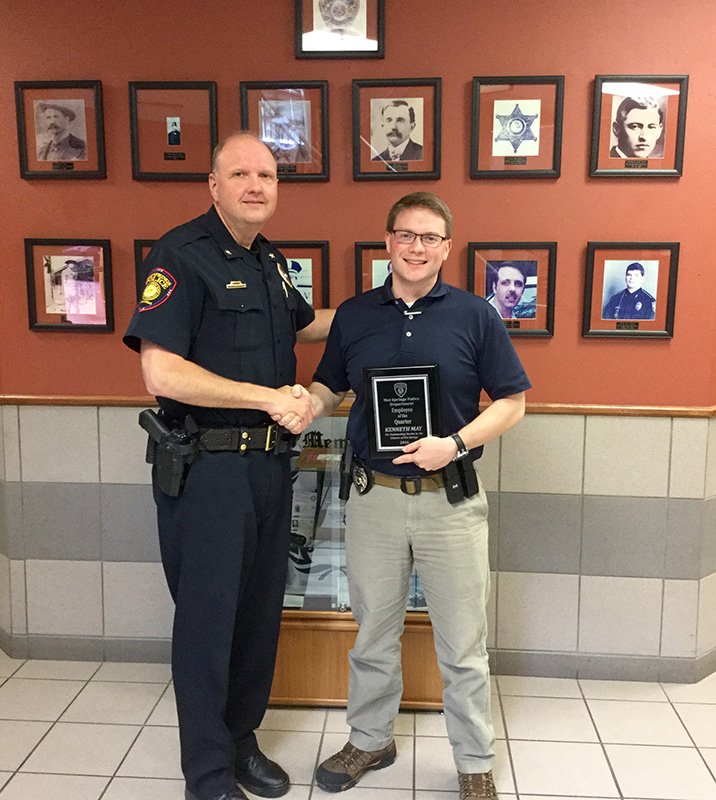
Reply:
x=158 y=289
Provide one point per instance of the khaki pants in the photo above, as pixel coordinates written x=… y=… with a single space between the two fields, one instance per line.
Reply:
x=387 y=533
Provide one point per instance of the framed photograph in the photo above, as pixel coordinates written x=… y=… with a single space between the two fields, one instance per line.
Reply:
x=517 y=127
x=69 y=284
x=516 y=278
x=292 y=119
x=340 y=28
x=173 y=130
x=396 y=129
x=308 y=269
x=372 y=265
x=638 y=125
x=630 y=289
x=60 y=129
x=141 y=251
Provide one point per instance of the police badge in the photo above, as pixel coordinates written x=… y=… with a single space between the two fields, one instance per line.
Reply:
x=362 y=477
x=339 y=15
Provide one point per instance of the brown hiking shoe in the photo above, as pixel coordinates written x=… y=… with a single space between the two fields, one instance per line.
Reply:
x=476 y=786
x=345 y=768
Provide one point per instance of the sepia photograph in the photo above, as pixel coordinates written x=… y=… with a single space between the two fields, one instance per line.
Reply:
x=397 y=129
x=60 y=130
x=173 y=131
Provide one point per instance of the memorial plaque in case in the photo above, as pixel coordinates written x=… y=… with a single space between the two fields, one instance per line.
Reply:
x=402 y=405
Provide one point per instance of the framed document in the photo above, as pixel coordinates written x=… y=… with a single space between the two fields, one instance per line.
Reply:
x=630 y=289
x=69 y=284
x=308 y=269
x=517 y=127
x=402 y=405
x=638 y=126
x=372 y=265
x=340 y=28
x=516 y=278
x=60 y=129
x=292 y=120
x=396 y=129
x=173 y=129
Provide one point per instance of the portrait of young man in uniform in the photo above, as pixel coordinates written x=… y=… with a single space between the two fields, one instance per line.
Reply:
x=216 y=327
x=633 y=301
x=638 y=128
x=425 y=507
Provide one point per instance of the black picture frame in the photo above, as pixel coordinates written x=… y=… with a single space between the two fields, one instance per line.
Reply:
x=329 y=39
x=537 y=261
x=611 y=312
x=80 y=270
x=659 y=101
x=304 y=155
x=290 y=248
x=78 y=156
x=141 y=251
x=368 y=274
x=154 y=157
x=418 y=102
x=499 y=156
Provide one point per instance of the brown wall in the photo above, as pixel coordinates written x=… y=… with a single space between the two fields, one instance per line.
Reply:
x=455 y=39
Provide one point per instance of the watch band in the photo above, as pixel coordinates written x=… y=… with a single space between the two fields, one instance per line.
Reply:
x=462 y=450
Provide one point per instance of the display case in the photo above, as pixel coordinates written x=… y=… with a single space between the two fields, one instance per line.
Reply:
x=318 y=628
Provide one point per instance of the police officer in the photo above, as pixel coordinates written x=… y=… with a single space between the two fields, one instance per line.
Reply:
x=632 y=302
x=403 y=512
x=216 y=326
x=61 y=145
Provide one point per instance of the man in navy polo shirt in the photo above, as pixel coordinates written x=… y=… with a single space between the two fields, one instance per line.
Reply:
x=416 y=319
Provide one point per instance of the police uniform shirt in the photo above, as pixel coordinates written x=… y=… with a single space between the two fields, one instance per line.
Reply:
x=449 y=327
x=634 y=305
x=230 y=310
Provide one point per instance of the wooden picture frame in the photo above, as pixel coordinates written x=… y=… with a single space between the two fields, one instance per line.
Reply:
x=371 y=265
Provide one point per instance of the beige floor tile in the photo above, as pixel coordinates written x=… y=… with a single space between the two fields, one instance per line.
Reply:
x=398 y=775
x=81 y=749
x=710 y=758
x=361 y=792
x=623 y=690
x=58 y=670
x=144 y=789
x=702 y=692
x=140 y=673
x=538 y=687
x=435 y=795
x=296 y=752
x=336 y=722
x=548 y=718
x=4 y=778
x=294 y=719
x=299 y=791
x=435 y=767
x=165 y=712
x=554 y=797
x=579 y=769
x=700 y=721
x=661 y=773
x=626 y=722
x=36 y=699
x=9 y=666
x=26 y=786
x=17 y=739
x=114 y=703
x=155 y=754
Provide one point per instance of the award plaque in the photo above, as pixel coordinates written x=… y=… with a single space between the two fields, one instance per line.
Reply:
x=401 y=406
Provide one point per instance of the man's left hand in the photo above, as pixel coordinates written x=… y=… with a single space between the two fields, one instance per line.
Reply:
x=430 y=453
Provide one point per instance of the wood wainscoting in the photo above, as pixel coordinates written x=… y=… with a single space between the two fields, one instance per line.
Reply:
x=312 y=663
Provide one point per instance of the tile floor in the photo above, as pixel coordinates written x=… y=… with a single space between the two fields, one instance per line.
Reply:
x=85 y=731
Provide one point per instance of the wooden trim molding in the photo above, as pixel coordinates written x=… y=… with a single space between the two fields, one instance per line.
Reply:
x=345 y=406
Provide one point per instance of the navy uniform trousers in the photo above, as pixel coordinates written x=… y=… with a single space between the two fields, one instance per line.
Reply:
x=224 y=546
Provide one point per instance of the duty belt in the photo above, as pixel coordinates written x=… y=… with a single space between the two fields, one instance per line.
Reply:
x=268 y=438
x=410 y=485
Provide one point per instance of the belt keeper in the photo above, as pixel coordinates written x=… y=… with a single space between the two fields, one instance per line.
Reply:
x=271 y=437
x=414 y=482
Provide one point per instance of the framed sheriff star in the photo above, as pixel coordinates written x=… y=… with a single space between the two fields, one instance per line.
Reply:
x=517 y=127
x=630 y=289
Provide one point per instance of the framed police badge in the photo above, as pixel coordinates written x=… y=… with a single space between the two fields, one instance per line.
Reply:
x=60 y=129
x=340 y=28
x=630 y=289
x=69 y=285
x=173 y=128
x=292 y=120
x=307 y=269
x=517 y=127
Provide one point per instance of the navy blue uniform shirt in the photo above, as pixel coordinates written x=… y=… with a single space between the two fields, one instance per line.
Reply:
x=449 y=327
x=231 y=310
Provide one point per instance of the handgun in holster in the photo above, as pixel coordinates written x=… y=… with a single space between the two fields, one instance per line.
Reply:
x=171 y=451
x=346 y=479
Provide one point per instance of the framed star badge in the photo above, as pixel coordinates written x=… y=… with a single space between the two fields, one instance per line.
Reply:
x=517 y=127
x=630 y=289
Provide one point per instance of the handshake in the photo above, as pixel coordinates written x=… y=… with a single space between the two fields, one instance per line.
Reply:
x=294 y=409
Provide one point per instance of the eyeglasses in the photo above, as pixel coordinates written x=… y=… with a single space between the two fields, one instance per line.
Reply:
x=428 y=239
